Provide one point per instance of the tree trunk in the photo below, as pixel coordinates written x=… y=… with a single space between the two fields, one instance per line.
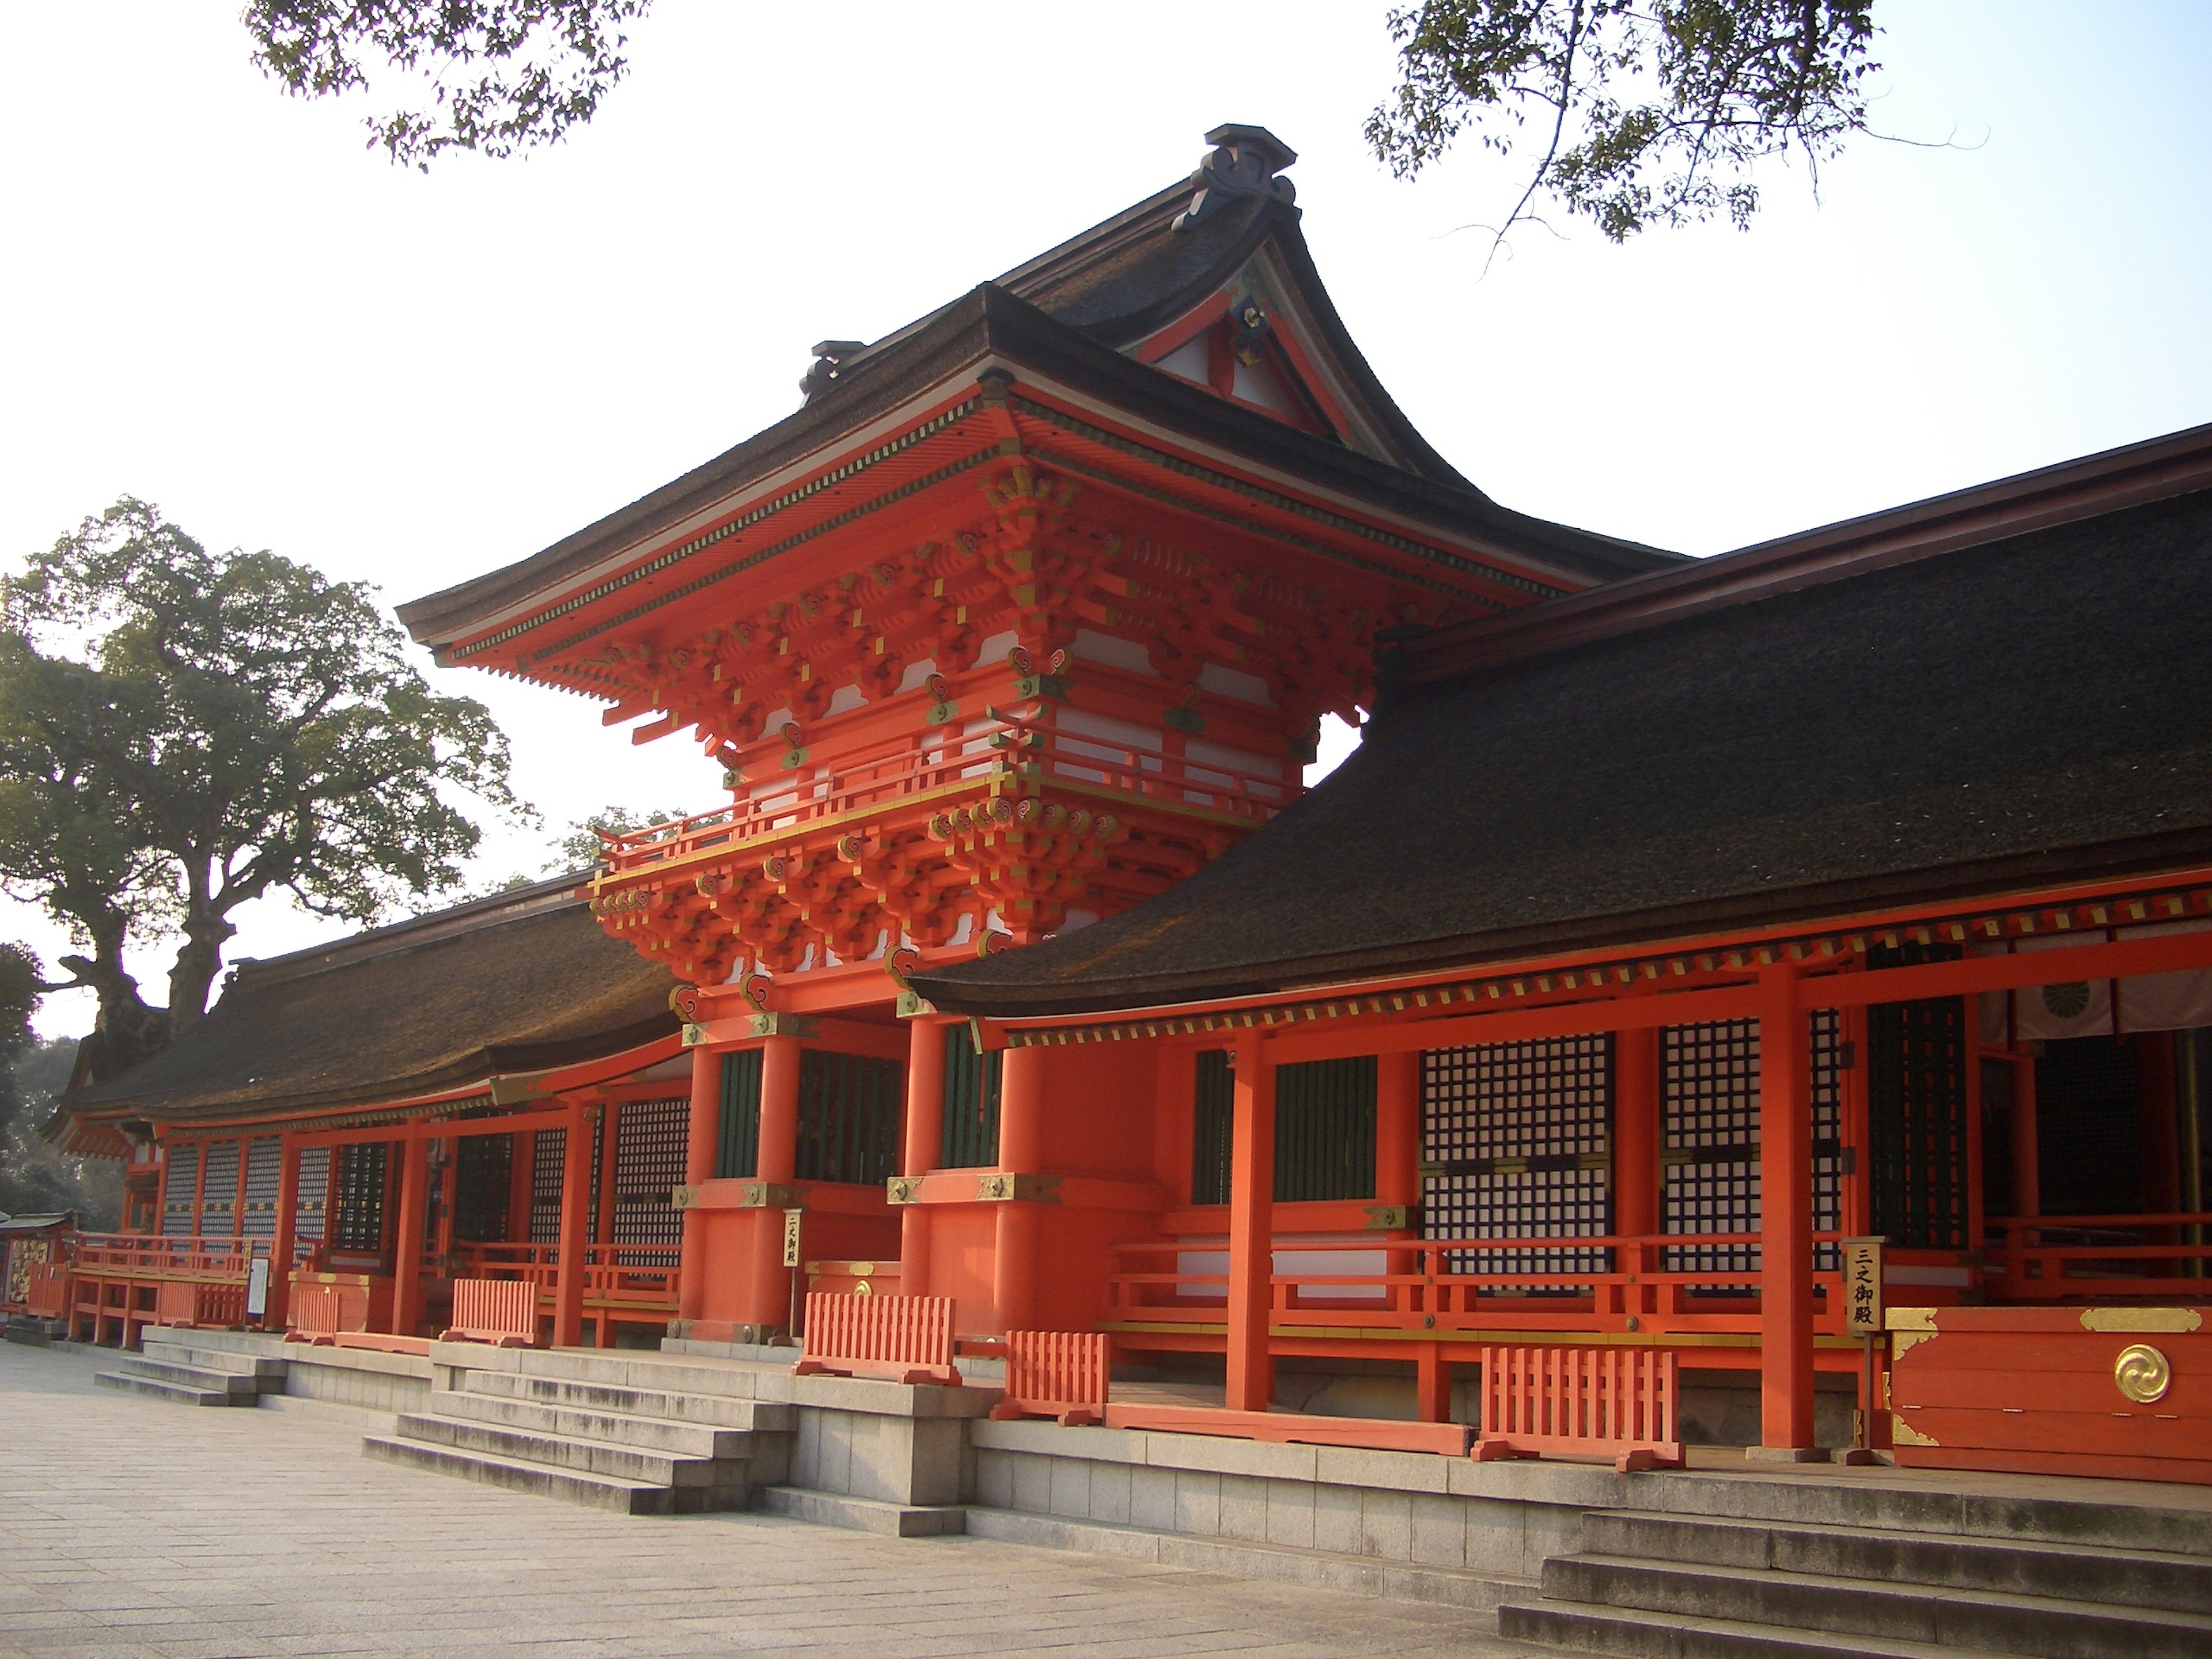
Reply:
x=198 y=960
x=125 y=1031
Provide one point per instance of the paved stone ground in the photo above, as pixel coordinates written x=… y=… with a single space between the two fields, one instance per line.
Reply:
x=130 y=1528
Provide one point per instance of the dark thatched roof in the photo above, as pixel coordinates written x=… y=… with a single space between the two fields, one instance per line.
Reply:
x=519 y=983
x=2023 y=706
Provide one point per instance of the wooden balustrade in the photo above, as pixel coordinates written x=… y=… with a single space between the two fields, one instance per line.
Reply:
x=1060 y=1374
x=646 y=1276
x=1416 y=1289
x=141 y=1257
x=2095 y=1257
x=199 y=1304
x=906 y=1338
x=46 y=1291
x=1621 y=1403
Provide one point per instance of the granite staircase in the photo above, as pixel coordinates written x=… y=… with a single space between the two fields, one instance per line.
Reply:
x=585 y=1429
x=171 y=1365
x=1890 y=1574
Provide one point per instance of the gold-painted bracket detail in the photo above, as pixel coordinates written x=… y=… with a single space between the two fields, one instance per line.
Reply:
x=750 y=1195
x=1018 y=1188
x=1389 y=1218
x=786 y=1025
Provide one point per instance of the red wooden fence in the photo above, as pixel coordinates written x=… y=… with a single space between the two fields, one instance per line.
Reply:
x=317 y=1314
x=907 y=1338
x=189 y=1301
x=500 y=1312
x=1621 y=1403
x=47 y=1293
x=1058 y=1373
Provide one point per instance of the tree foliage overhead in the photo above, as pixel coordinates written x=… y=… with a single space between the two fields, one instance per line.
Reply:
x=496 y=76
x=1641 y=113
x=182 y=731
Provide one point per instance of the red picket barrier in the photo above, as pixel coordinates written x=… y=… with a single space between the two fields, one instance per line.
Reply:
x=318 y=1315
x=47 y=1293
x=1620 y=1403
x=185 y=1302
x=500 y=1312
x=1058 y=1373
x=907 y=1339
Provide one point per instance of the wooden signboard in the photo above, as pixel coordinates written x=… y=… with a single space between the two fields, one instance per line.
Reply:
x=1862 y=1286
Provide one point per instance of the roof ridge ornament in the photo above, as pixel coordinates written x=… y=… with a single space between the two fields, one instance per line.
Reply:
x=829 y=356
x=1243 y=162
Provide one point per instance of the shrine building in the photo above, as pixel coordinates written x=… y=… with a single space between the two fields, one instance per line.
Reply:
x=1777 y=963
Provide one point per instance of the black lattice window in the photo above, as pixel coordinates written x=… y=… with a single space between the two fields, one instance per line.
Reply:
x=1827 y=1038
x=483 y=1181
x=549 y=1152
x=357 y=1187
x=264 y=1170
x=1515 y=1140
x=1212 y=1128
x=649 y=1141
x=971 y=1103
x=1916 y=1111
x=219 y=1191
x=1325 y=1130
x=1708 y=1142
x=312 y=1206
x=851 y=1110
x=737 y=1154
x=181 y=1190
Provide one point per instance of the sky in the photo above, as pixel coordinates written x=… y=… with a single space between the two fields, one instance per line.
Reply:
x=216 y=299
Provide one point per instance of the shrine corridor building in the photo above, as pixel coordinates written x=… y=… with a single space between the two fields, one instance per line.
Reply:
x=1679 y=927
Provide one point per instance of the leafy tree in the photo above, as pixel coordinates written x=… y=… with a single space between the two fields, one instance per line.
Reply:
x=1645 y=111
x=35 y=1179
x=497 y=75
x=182 y=731
x=582 y=848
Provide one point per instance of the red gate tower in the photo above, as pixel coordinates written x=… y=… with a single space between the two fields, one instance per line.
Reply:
x=1032 y=609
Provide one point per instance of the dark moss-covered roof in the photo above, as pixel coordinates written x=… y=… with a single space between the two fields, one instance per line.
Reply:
x=2018 y=708
x=1072 y=312
x=519 y=982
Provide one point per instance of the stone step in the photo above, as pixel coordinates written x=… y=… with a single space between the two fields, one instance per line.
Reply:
x=1628 y=1633
x=719 y=1411
x=564 y=1452
x=1976 y=1619
x=653 y=1373
x=194 y=1377
x=570 y=1485
x=1355 y=1574
x=827 y=1509
x=2136 y=1521
x=155 y=1387
x=212 y=1359
x=657 y=1434
x=2177 y=1584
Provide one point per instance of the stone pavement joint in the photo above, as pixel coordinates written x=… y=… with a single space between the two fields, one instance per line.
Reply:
x=134 y=1529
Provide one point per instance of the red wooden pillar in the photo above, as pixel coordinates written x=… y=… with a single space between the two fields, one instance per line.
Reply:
x=407 y=1246
x=1635 y=1169
x=2026 y=1161
x=575 y=1213
x=1015 y=1240
x=277 y=1308
x=1786 y=1182
x=1174 y=1095
x=778 y=1166
x=925 y=1144
x=1398 y=1129
x=609 y=1139
x=1251 y=1228
x=701 y=1146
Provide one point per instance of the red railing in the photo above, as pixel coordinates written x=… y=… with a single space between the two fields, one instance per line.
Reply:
x=880 y=774
x=647 y=1276
x=1411 y=1284
x=190 y=1302
x=500 y=1312
x=2050 y=1258
x=904 y=1338
x=1058 y=1373
x=1610 y=1402
x=133 y=1255
x=46 y=1291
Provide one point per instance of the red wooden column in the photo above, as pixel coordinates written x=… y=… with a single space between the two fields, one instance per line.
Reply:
x=2026 y=1160
x=575 y=1213
x=1636 y=1174
x=1021 y=1152
x=1398 y=1128
x=925 y=1144
x=778 y=1166
x=1785 y=1184
x=1251 y=1228
x=407 y=1246
x=702 y=1144
x=277 y=1310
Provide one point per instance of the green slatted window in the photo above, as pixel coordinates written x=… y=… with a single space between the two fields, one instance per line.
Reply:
x=1325 y=1130
x=738 y=1152
x=971 y=1103
x=851 y=1109
x=1211 y=1127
